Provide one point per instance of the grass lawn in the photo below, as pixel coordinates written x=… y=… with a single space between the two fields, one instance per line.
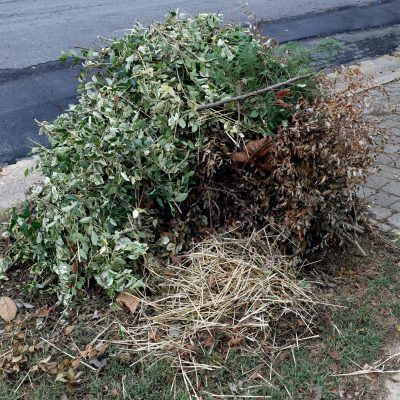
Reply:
x=348 y=338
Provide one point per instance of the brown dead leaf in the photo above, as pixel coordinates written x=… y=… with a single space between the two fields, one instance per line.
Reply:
x=20 y=335
x=129 y=300
x=17 y=359
x=91 y=352
x=282 y=103
x=236 y=340
x=68 y=330
x=8 y=309
x=208 y=342
x=283 y=93
x=154 y=335
x=42 y=312
x=256 y=150
x=256 y=376
x=333 y=367
x=101 y=349
x=61 y=377
x=335 y=355
x=177 y=259
x=45 y=360
x=34 y=368
x=75 y=362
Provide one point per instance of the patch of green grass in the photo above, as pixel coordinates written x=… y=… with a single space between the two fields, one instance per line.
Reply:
x=153 y=382
x=353 y=334
x=381 y=281
x=361 y=336
x=375 y=286
x=395 y=309
x=43 y=389
x=304 y=378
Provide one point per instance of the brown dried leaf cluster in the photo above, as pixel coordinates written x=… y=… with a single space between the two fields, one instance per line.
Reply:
x=302 y=182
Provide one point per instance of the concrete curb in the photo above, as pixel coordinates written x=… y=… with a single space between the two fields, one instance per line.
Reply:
x=14 y=184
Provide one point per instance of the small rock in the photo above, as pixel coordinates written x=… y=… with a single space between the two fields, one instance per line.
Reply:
x=8 y=309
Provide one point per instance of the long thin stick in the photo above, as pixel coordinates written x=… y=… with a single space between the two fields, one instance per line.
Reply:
x=367 y=372
x=252 y=94
x=67 y=354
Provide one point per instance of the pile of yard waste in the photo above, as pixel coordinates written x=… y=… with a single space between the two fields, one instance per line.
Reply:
x=184 y=129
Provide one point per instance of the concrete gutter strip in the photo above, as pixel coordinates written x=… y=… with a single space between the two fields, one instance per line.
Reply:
x=14 y=184
x=346 y=19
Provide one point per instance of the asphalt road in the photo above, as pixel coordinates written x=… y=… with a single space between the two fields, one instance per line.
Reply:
x=35 y=31
x=33 y=85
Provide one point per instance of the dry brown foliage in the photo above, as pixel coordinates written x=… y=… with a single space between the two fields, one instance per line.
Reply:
x=302 y=181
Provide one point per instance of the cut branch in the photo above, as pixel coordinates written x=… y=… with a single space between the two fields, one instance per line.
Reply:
x=252 y=94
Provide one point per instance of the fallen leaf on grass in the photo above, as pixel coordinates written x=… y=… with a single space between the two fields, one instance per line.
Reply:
x=75 y=362
x=20 y=335
x=283 y=93
x=333 y=367
x=16 y=359
x=43 y=312
x=208 y=342
x=45 y=360
x=236 y=340
x=335 y=355
x=8 y=309
x=68 y=330
x=129 y=300
x=91 y=352
x=70 y=376
x=154 y=335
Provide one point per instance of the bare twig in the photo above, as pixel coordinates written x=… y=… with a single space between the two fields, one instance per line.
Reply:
x=355 y=242
x=67 y=354
x=48 y=281
x=355 y=228
x=368 y=371
x=4 y=354
x=252 y=94
x=101 y=333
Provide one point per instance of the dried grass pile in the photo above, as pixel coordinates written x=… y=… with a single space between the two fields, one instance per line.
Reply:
x=227 y=292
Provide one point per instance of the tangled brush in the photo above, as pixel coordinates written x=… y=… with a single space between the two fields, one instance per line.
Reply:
x=144 y=166
x=122 y=161
x=302 y=181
